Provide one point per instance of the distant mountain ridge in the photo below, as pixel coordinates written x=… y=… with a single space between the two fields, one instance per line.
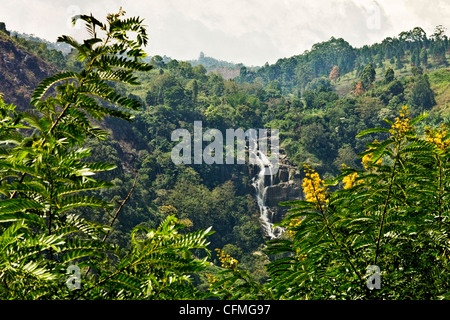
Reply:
x=410 y=49
x=63 y=47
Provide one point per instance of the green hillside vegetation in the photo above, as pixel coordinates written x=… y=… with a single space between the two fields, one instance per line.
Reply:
x=86 y=176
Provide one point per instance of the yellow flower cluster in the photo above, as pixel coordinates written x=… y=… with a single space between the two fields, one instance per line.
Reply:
x=226 y=260
x=300 y=257
x=211 y=279
x=349 y=180
x=314 y=187
x=292 y=224
x=367 y=159
x=401 y=125
x=437 y=137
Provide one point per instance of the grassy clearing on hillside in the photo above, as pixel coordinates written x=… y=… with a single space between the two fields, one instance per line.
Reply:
x=440 y=84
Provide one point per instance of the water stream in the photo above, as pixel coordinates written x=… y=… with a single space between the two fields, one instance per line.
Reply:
x=261 y=182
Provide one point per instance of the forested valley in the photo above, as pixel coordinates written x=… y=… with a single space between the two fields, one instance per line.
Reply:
x=93 y=207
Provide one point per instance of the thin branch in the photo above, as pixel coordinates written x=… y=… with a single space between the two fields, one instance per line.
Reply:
x=20 y=181
x=440 y=186
x=122 y=205
x=383 y=216
x=117 y=212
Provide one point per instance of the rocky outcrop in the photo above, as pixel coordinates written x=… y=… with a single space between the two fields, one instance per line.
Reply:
x=20 y=72
x=286 y=187
x=283 y=191
x=286 y=183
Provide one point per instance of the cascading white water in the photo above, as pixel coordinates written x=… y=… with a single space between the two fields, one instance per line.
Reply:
x=259 y=183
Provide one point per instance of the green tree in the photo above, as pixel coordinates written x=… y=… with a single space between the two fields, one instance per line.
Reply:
x=45 y=180
x=157 y=61
x=398 y=63
x=3 y=28
x=424 y=56
x=389 y=75
x=368 y=76
x=193 y=87
x=422 y=96
x=174 y=96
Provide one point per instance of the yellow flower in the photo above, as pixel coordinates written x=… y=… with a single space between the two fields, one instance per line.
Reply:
x=401 y=125
x=367 y=159
x=349 y=180
x=226 y=260
x=292 y=224
x=314 y=188
x=437 y=137
x=211 y=279
x=300 y=257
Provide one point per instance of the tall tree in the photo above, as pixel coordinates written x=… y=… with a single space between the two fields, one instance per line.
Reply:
x=424 y=56
x=44 y=177
x=389 y=75
x=422 y=96
x=368 y=76
x=334 y=74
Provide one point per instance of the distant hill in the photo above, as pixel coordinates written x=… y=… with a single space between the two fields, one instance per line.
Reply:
x=26 y=59
x=409 y=49
x=63 y=47
x=212 y=63
x=228 y=70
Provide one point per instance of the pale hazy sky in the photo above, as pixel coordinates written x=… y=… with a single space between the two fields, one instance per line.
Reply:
x=248 y=31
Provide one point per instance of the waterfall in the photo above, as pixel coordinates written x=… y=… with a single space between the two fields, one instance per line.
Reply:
x=259 y=183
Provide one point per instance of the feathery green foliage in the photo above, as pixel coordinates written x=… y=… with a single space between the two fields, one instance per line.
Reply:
x=44 y=178
x=394 y=214
x=391 y=212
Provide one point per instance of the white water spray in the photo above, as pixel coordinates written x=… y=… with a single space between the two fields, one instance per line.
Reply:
x=259 y=183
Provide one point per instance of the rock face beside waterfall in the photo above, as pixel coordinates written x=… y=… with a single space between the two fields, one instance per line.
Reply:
x=286 y=186
x=283 y=191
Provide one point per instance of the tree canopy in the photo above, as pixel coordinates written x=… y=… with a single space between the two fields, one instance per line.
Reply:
x=92 y=207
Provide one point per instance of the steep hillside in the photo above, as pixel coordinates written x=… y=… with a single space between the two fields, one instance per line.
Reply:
x=20 y=71
x=440 y=83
